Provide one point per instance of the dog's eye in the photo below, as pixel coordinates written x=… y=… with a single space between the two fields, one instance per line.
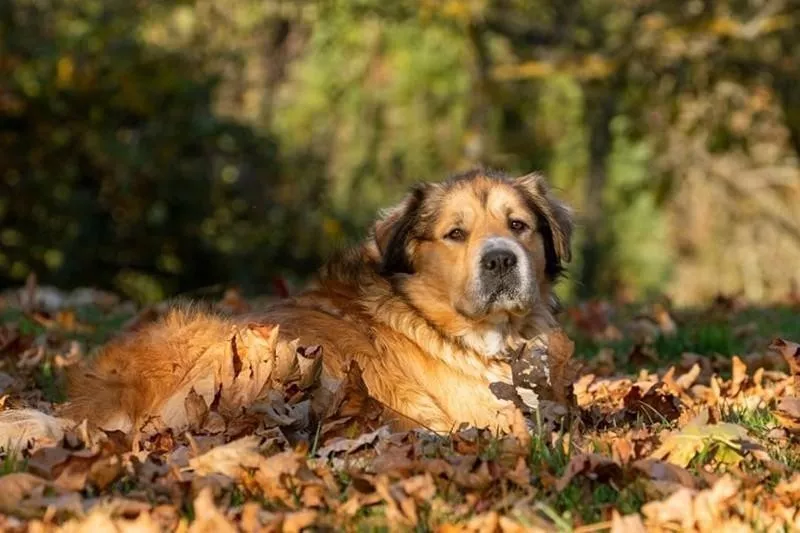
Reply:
x=456 y=234
x=517 y=226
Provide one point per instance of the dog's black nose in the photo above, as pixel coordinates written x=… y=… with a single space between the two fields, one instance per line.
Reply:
x=498 y=262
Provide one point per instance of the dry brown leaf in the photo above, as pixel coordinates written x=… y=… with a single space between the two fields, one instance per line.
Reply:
x=711 y=504
x=19 y=426
x=626 y=524
x=345 y=405
x=209 y=519
x=739 y=376
x=298 y=520
x=71 y=470
x=254 y=362
x=16 y=487
x=685 y=381
x=788 y=413
x=279 y=475
x=790 y=352
x=789 y=488
x=564 y=370
x=341 y=445
x=592 y=465
x=677 y=508
x=663 y=471
x=230 y=459
x=655 y=405
x=196 y=409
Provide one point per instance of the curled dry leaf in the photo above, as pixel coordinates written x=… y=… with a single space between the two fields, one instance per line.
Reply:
x=663 y=471
x=564 y=370
x=739 y=376
x=627 y=524
x=655 y=405
x=788 y=413
x=542 y=370
x=298 y=520
x=231 y=459
x=284 y=475
x=196 y=409
x=705 y=510
x=592 y=465
x=20 y=426
x=344 y=405
x=17 y=486
x=342 y=445
x=791 y=354
x=208 y=518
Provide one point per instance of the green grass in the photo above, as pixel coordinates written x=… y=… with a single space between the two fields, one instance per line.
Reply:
x=51 y=383
x=12 y=462
x=698 y=333
x=758 y=422
x=104 y=325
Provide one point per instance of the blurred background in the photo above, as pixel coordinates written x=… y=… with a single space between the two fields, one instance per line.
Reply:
x=158 y=148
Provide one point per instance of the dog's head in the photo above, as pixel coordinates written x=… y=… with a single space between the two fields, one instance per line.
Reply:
x=482 y=245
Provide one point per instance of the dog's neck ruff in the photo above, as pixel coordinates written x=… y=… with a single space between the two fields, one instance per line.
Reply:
x=489 y=343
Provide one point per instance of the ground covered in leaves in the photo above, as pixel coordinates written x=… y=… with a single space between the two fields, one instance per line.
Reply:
x=680 y=420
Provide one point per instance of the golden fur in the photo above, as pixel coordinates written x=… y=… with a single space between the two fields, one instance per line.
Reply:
x=409 y=305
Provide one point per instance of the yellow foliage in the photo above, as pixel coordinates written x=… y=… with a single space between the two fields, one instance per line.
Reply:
x=65 y=69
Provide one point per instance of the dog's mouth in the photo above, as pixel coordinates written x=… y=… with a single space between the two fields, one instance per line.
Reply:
x=501 y=303
x=508 y=299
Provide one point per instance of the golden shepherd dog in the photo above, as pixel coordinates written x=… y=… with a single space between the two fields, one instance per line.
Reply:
x=449 y=283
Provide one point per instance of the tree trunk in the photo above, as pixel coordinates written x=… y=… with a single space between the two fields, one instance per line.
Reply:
x=600 y=107
x=480 y=101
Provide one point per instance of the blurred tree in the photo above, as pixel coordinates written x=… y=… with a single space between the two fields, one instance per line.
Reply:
x=115 y=170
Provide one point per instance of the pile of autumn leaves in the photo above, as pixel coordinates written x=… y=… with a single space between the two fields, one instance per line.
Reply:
x=674 y=438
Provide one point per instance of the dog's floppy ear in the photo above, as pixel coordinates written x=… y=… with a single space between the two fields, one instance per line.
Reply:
x=393 y=231
x=556 y=215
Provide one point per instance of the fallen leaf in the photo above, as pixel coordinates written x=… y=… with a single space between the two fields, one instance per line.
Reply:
x=739 y=376
x=19 y=426
x=655 y=405
x=664 y=471
x=682 y=446
x=564 y=370
x=790 y=352
x=594 y=466
x=788 y=413
x=626 y=524
x=255 y=360
x=298 y=520
x=281 y=475
x=341 y=445
x=196 y=409
x=677 y=508
x=209 y=519
x=17 y=486
x=231 y=459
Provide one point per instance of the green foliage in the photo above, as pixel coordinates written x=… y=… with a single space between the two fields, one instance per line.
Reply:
x=384 y=103
x=118 y=171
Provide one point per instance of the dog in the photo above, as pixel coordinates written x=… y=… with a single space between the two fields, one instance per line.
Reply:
x=446 y=286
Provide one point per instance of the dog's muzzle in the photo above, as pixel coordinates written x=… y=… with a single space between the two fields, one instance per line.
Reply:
x=500 y=272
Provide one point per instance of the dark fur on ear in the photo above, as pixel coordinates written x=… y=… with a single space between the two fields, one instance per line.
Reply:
x=393 y=232
x=557 y=218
